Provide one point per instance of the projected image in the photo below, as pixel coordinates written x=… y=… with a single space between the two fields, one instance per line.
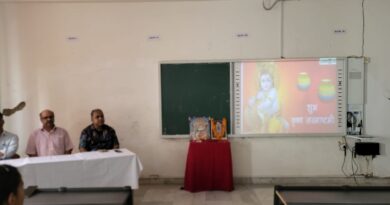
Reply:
x=288 y=97
x=262 y=110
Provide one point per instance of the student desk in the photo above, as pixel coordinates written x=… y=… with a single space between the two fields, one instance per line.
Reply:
x=87 y=169
x=331 y=195
x=79 y=196
x=209 y=166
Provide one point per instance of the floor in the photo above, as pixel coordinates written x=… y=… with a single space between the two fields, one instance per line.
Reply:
x=172 y=195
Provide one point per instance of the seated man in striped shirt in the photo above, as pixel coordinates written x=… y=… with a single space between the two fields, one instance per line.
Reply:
x=8 y=142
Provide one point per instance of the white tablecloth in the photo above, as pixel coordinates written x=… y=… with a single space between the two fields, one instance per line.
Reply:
x=87 y=169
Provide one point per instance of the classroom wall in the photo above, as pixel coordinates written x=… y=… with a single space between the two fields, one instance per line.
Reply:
x=72 y=57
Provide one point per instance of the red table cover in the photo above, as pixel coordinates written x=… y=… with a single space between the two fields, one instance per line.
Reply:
x=209 y=166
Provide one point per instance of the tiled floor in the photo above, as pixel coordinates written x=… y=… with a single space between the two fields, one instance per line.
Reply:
x=172 y=195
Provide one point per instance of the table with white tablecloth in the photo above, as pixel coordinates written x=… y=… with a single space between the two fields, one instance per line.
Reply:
x=113 y=168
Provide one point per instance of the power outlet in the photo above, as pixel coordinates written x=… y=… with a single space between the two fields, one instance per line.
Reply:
x=343 y=147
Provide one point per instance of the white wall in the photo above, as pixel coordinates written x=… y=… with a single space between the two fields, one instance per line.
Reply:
x=112 y=65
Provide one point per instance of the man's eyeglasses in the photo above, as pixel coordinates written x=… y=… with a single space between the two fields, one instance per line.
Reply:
x=47 y=117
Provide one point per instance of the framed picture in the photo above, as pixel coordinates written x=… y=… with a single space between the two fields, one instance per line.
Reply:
x=199 y=128
x=218 y=129
x=354 y=123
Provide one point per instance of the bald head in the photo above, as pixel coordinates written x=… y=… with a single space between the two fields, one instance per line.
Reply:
x=47 y=119
x=46 y=112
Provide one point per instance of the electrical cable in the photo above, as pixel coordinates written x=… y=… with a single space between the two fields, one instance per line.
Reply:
x=272 y=6
x=353 y=170
x=367 y=174
x=281 y=30
x=363 y=26
x=358 y=167
x=354 y=165
x=342 y=166
x=343 y=147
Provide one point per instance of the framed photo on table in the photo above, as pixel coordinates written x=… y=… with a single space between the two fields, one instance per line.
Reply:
x=218 y=129
x=199 y=128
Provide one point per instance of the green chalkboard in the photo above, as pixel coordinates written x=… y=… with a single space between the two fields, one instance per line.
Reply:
x=193 y=89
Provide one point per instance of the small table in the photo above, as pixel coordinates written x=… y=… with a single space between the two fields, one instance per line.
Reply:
x=80 y=196
x=347 y=195
x=209 y=166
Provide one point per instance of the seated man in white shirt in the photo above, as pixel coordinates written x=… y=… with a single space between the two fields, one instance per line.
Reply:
x=8 y=142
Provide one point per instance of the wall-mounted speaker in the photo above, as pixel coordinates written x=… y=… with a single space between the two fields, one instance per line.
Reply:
x=356 y=80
